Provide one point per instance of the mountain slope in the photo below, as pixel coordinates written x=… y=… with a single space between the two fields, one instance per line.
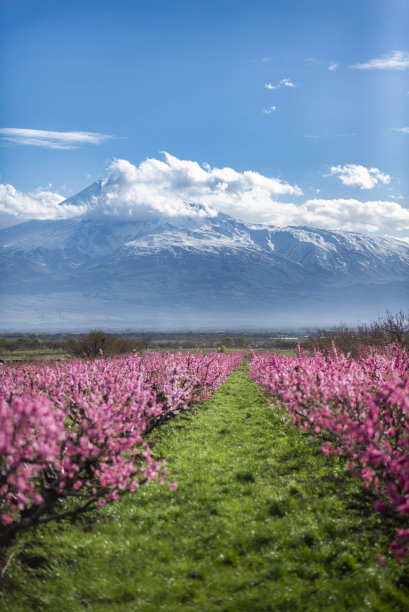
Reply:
x=199 y=268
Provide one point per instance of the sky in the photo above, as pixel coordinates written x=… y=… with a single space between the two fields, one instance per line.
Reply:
x=275 y=112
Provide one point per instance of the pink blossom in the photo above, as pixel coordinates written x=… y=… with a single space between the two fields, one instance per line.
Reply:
x=80 y=425
x=360 y=408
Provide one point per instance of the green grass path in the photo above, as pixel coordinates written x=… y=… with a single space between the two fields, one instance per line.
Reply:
x=261 y=520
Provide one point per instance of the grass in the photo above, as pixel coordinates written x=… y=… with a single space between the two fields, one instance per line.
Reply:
x=261 y=520
x=34 y=354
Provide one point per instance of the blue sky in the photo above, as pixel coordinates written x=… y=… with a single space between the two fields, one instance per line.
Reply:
x=314 y=93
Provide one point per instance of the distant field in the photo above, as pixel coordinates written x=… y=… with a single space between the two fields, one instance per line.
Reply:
x=37 y=354
x=34 y=354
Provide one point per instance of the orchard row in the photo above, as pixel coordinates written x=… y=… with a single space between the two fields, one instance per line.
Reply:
x=72 y=434
x=360 y=410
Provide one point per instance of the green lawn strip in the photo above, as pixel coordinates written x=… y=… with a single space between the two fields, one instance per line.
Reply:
x=261 y=520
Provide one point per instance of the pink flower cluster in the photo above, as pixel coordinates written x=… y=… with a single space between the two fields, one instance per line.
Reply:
x=76 y=430
x=360 y=408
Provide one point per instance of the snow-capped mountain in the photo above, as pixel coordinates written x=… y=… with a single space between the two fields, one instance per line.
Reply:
x=195 y=268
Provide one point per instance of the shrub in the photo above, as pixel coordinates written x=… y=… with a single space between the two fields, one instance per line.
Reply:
x=98 y=343
x=389 y=329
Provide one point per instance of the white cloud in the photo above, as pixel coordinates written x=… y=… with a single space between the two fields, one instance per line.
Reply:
x=166 y=186
x=403 y=130
x=16 y=206
x=354 y=175
x=266 y=59
x=162 y=188
x=287 y=83
x=267 y=111
x=328 y=136
x=401 y=238
x=313 y=61
x=283 y=83
x=153 y=187
x=349 y=215
x=346 y=135
x=50 y=139
x=397 y=60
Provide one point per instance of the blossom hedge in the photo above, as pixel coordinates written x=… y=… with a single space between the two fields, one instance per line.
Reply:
x=360 y=408
x=72 y=433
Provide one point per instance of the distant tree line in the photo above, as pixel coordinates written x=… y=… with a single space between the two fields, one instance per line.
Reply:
x=98 y=343
x=229 y=342
x=95 y=343
x=200 y=343
x=387 y=329
x=24 y=342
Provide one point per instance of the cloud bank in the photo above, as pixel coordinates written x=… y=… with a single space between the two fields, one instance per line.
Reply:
x=354 y=175
x=166 y=187
x=350 y=215
x=16 y=206
x=397 y=60
x=155 y=186
x=52 y=140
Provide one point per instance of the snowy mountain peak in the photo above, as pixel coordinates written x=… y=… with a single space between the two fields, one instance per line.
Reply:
x=119 y=198
x=120 y=257
x=86 y=196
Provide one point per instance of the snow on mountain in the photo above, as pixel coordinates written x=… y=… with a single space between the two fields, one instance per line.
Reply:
x=128 y=268
x=89 y=238
x=341 y=251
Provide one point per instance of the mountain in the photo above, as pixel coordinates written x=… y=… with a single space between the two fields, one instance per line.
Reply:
x=196 y=269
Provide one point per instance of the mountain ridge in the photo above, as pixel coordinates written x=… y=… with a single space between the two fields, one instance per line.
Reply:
x=166 y=268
